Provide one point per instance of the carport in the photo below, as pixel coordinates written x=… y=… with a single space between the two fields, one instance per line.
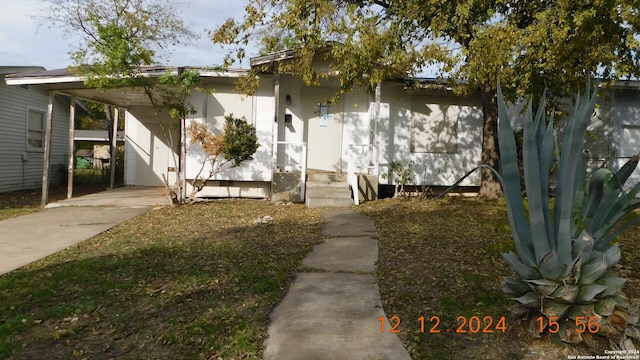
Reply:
x=63 y=81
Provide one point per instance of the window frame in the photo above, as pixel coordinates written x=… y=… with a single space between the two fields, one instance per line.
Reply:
x=43 y=131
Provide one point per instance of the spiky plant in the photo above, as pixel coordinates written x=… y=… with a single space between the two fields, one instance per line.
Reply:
x=564 y=281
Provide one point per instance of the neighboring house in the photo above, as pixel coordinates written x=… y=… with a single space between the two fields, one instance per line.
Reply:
x=93 y=146
x=301 y=132
x=23 y=111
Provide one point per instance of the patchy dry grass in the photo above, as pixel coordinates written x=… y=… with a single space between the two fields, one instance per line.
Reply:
x=185 y=282
x=199 y=282
x=443 y=259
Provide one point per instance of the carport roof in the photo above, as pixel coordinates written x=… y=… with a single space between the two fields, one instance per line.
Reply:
x=65 y=82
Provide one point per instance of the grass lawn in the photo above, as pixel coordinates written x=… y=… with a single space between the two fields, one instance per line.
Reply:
x=441 y=260
x=198 y=282
x=189 y=282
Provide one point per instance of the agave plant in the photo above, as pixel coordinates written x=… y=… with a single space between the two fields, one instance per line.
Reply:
x=564 y=255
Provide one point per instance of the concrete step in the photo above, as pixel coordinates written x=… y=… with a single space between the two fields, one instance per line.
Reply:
x=327 y=196
x=328 y=202
x=339 y=185
x=326 y=177
x=328 y=192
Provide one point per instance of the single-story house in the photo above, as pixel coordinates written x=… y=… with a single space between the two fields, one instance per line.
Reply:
x=23 y=112
x=303 y=135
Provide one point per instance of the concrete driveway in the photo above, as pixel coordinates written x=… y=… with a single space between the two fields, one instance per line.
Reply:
x=28 y=238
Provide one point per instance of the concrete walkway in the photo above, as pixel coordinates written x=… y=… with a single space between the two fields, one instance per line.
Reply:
x=333 y=313
x=62 y=224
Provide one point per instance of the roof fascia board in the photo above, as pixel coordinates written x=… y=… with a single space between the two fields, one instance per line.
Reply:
x=72 y=79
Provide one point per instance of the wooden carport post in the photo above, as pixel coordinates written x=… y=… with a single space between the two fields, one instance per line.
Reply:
x=47 y=150
x=114 y=144
x=70 y=166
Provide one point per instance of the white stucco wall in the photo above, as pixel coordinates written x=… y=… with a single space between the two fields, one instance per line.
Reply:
x=431 y=168
x=222 y=100
x=148 y=154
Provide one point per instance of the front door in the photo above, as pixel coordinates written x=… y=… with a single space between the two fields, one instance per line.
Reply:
x=323 y=130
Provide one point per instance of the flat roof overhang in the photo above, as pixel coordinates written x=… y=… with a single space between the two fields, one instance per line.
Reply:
x=63 y=81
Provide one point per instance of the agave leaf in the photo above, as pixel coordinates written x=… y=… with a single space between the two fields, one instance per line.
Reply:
x=569 y=333
x=550 y=266
x=546 y=160
x=571 y=160
x=593 y=271
x=603 y=240
x=627 y=169
x=531 y=163
x=529 y=299
x=583 y=245
x=616 y=213
x=514 y=286
x=519 y=309
x=612 y=283
x=534 y=326
x=539 y=118
x=554 y=308
x=622 y=229
x=621 y=300
x=580 y=199
x=544 y=286
x=525 y=272
x=612 y=255
x=605 y=306
x=581 y=310
x=588 y=293
x=511 y=182
x=612 y=192
x=572 y=272
x=566 y=293
x=595 y=193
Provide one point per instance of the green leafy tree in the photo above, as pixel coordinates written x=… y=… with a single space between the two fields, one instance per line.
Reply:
x=529 y=45
x=120 y=37
x=94 y=119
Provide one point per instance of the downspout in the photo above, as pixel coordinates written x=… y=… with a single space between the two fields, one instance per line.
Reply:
x=47 y=151
x=70 y=163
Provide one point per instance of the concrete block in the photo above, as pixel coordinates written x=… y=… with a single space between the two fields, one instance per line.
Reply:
x=367 y=187
x=286 y=187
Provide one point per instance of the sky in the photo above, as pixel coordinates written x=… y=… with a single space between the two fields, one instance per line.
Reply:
x=24 y=43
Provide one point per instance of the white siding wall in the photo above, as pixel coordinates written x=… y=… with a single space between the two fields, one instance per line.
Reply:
x=16 y=173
